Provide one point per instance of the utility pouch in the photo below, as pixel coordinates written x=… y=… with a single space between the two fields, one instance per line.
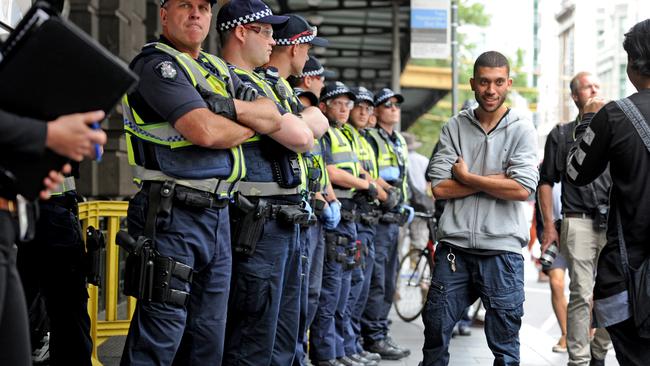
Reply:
x=291 y=215
x=95 y=246
x=331 y=242
x=286 y=169
x=369 y=219
x=348 y=215
x=390 y=218
x=165 y=268
x=249 y=227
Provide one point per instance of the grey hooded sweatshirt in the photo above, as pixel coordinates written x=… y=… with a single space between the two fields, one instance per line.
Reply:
x=481 y=221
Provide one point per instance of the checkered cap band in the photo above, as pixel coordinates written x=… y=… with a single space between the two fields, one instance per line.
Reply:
x=249 y=18
x=385 y=97
x=313 y=72
x=300 y=40
x=363 y=97
x=335 y=92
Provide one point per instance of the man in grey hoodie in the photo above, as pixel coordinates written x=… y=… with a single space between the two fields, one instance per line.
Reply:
x=485 y=168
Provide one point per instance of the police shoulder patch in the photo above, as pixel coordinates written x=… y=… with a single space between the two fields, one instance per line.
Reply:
x=166 y=70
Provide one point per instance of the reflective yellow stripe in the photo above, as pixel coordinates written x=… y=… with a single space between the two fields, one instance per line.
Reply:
x=343 y=154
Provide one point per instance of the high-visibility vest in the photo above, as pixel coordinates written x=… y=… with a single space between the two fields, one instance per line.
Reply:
x=142 y=134
x=344 y=156
x=267 y=188
x=391 y=154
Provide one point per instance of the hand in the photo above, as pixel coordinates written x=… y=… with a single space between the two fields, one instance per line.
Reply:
x=53 y=180
x=594 y=104
x=549 y=235
x=372 y=191
x=246 y=93
x=218 y=104
x=332 y=215
x=392 y=200
x=459 y=170
x=411 y=213
x=70 y=135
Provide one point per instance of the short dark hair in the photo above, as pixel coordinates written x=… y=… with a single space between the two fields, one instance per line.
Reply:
x=491 y=59
x=637 y=46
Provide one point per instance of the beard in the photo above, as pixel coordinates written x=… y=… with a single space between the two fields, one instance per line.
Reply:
x=483 y=104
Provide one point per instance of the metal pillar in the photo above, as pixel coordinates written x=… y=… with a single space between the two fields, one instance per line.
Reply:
x=454 y=57
x=397 y=63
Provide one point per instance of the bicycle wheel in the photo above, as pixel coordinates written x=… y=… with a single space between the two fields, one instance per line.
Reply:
x=413 y=280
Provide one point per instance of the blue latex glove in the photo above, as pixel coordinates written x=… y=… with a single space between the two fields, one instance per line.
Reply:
x=332 y=215
x=411 y=213
x=389 y=174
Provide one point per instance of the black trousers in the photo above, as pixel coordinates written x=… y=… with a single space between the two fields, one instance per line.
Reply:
x=53 y=265
x=631 y=350
x=14 y=333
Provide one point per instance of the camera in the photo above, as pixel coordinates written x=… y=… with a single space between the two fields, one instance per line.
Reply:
x=548 y=257
x=600 y=218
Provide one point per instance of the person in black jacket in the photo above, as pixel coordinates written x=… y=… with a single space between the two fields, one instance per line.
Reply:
x=69 y=136
x=617 y=133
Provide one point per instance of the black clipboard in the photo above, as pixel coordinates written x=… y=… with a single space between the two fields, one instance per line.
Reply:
x=48 y=68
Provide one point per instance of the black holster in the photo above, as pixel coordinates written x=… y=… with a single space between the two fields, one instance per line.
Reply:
x=390 y=218
x=291 y=215
x=148 y=274
x=95 y=247
x=248 y=224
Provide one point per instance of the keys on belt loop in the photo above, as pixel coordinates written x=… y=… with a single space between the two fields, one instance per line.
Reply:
x=451 y=258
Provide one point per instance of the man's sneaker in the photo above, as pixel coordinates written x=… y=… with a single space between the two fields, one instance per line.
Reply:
x=362 y=360
x=349 y=362
x=386 y=351
x=370 y=356
x=41 y=355
x=391 y=342
x=329 y=363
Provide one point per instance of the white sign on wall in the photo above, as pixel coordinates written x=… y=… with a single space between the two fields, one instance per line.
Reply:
x=430 y=29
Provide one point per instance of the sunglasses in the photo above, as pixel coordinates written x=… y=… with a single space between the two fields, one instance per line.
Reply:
x=339 y=103
x=368 y=108
x=264 y=32
x=390 y=104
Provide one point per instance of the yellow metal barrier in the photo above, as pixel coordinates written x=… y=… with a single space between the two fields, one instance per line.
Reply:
x=90 y=213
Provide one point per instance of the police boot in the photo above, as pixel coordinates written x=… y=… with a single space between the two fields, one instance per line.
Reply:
x=392 y=343
x=364 y=361
x=370 y=356
x=386 y=351
x=349 y=362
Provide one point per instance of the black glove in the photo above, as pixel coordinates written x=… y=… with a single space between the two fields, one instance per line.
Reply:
x=246 y=93
x=218 y=104
x=393 y=199
x=372 y=191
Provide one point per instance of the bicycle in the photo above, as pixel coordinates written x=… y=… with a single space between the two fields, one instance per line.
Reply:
x=414 y=275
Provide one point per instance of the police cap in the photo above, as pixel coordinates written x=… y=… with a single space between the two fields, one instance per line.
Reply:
x=385 y=94
x=333 y=90
x=240 y=12
x=313 y=67
x=297 y=31
x=363 y=95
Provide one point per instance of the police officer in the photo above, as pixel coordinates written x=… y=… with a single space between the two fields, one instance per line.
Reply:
x=269 y=208
x=369 y=212
x=183 y=131
x=391 y=151
x=310 y=82
x=338 y=148
x=293 y=40
x=68 y=136
x=307 y=87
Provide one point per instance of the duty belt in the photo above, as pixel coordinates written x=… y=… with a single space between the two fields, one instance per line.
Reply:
x=195 y=198
x=265 y=189
x=390 y=218
x=215 y=186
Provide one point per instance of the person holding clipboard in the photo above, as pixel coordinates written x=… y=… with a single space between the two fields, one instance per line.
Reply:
x=69 y=136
